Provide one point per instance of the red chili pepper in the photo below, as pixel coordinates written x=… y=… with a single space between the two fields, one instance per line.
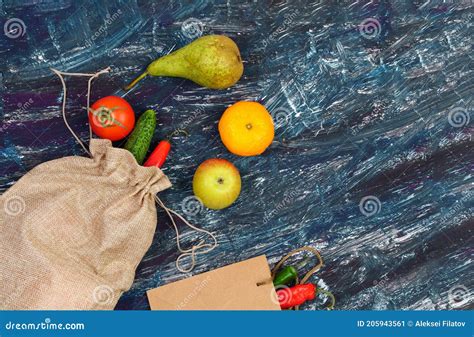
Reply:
x=290 y=297
x=158 y=156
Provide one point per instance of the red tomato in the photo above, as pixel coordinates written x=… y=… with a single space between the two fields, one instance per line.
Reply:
x=111 y=118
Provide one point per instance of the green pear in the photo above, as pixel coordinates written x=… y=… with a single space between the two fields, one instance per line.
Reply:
x=212 y=61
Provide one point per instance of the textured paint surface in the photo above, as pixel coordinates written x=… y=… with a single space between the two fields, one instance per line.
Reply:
x=373 y=104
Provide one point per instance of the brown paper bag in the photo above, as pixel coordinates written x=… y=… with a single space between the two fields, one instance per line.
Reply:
x=73 y=230
x=246 y=285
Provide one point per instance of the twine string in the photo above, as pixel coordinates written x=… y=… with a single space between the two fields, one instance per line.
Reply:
x=200 y=248
x=61 y=75
x=310 y=273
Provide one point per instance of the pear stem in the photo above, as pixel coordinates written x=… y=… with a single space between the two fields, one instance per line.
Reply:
x=136 y=80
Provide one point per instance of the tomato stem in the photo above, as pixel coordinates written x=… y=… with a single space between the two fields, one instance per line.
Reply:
x=106 y=112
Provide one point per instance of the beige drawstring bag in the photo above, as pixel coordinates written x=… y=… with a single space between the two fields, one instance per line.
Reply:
x=73 y=230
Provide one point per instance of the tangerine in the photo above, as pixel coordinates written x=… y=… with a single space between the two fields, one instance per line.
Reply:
x=246 y=128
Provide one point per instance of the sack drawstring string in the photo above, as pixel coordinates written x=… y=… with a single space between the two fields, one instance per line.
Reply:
x=89 y=84
x=195 y=250
x=201 y=247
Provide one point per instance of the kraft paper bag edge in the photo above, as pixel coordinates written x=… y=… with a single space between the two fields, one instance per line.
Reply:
x=244 y=285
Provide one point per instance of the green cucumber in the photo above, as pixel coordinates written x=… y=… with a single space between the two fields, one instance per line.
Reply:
x=140 y=139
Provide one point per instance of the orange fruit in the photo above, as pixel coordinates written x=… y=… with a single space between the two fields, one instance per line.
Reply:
x=246 y=128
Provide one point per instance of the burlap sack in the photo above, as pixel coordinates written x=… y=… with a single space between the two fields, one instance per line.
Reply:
x=73 y=230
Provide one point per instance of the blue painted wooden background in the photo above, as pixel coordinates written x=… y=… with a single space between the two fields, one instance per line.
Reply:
x=372 y=160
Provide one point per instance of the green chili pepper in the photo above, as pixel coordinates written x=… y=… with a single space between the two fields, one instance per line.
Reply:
x=286 y=276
